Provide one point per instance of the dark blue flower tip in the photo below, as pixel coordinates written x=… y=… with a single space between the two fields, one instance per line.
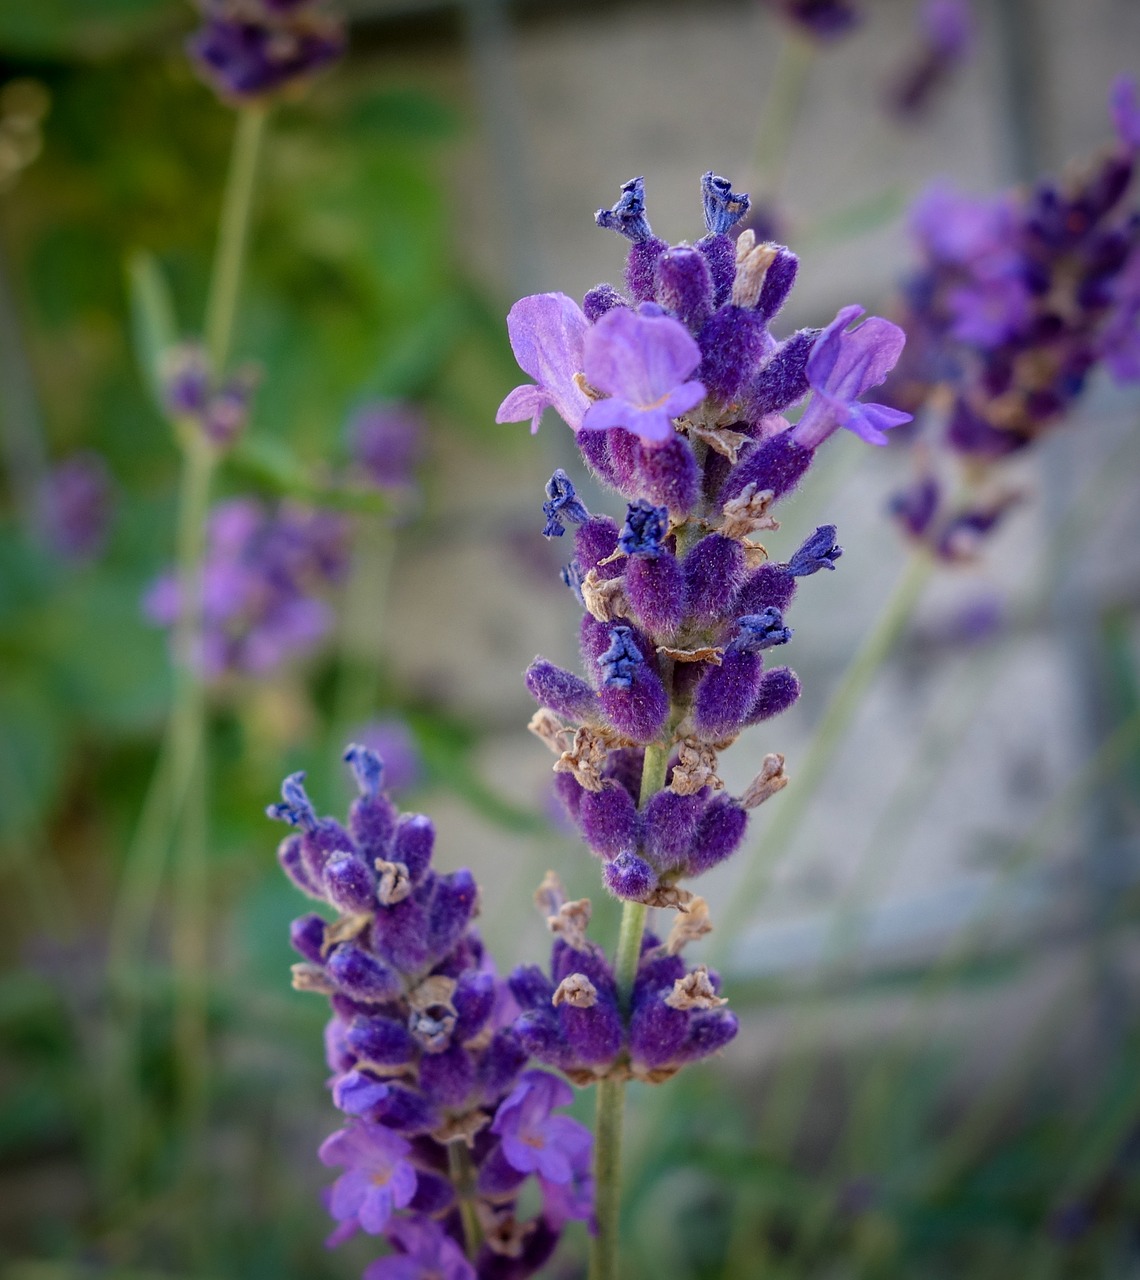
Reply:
x=818 y=552
x=618 y=662
x=572 y=577
x=761 y=631
x=723 y=207
x=367 y=767
x=644 y=530
x=297 y=809
x=629 y=877
x=562 y=503
x=627 y=217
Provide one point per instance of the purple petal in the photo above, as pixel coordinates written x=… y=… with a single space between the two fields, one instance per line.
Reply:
x=348 y=1194
x=870 y=421
x=527 y=401
x=547 y=331
x=845 y=364
x=375 y=1209
x=637 y=357
x=1124 y=107
x=652 y=426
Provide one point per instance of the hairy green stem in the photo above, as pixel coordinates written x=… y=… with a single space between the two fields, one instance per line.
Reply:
x=610 y=1102
x=811 y=771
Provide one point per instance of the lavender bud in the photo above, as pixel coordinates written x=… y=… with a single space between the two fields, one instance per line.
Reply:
x=779 y=689
x=595 y=541
x=640 y=711
x=413 y=844
x=656 y=1033
x=474 y=1001
x=684 y=285
x=609 y=820
x=563 y=692
x=769 y=587
x=447 y=1077
x=562 y=503
x=708 y=1033
x=759 y=631
x=629 y=876
x=667 y=474
x=307 y=937
x=778 y=281
x=719 y=835
x=719 y=252
x=408 y=1112
x=349 y=885
x=434 y=1194
x=655 y=588
x=671 y=826
x=714 y=570
x=384 y=1041
x=500 y=1064
x=733 y=342
x=782 y=380
x=594 y=447
x=778 y=464
x=726 y=695
x=451 y=910
x=360 y=975
x=290 y=857
x=600 y=299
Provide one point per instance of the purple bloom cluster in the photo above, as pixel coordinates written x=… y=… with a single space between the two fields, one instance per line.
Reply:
x=191 y=393
x=1022 y=296
x=423 y=1050
x=676 y=393
x=249 y=49
x=261 y=574
x=74 y=507
x=572 y=1019
x=822 y=20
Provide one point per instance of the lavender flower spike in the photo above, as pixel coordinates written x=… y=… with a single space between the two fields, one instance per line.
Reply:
x=547 y=332
x=642 y=362
x=842 y=366
x=426 y=1251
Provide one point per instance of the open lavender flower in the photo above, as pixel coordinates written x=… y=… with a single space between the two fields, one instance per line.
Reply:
x=261 y=578
x=683 y=611
x=1021 y=298
x=428 y=1064
x=248 y=50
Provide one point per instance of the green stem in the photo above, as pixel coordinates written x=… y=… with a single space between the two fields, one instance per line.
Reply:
x=828 y=736
x=780 y=112
x=233 y=234
x=610 y=1105
x=462 y=1173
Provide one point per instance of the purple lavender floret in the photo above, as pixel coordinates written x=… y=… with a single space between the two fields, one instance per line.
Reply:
x=262 y=577
x=562 y=503
x=1021 y=297
x=74 y=507
x=386 y=441
x=822 y=20
x=425 y=1048
x=250 y=50
x=945 y=35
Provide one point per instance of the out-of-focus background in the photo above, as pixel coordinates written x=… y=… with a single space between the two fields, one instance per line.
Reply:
x=938 y=1063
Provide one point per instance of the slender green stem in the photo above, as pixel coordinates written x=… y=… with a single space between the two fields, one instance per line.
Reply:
x=610 y=1104
x=233 y=235
x=780 y=112
x=845 y=701
x=463 y=1179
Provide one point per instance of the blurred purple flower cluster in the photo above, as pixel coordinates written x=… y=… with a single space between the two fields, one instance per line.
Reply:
x=822 y=20
x=425 y=1056
x=74 y=507
x=261 y=577
x=1021 y=297
x=249 y=49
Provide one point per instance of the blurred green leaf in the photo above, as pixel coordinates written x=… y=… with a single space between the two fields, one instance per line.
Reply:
x=273 y=467
x=36 y=28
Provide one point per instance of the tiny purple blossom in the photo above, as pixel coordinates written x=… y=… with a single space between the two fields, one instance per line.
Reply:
x=843 y=365
x=642 y=362
x=534 y=1141
x=378 y=1178
x=547 y=332
x=429 y=1253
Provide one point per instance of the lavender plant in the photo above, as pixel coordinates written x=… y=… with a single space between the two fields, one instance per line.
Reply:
x=1021 y=298
x=676 y=392
x=444 y=1125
